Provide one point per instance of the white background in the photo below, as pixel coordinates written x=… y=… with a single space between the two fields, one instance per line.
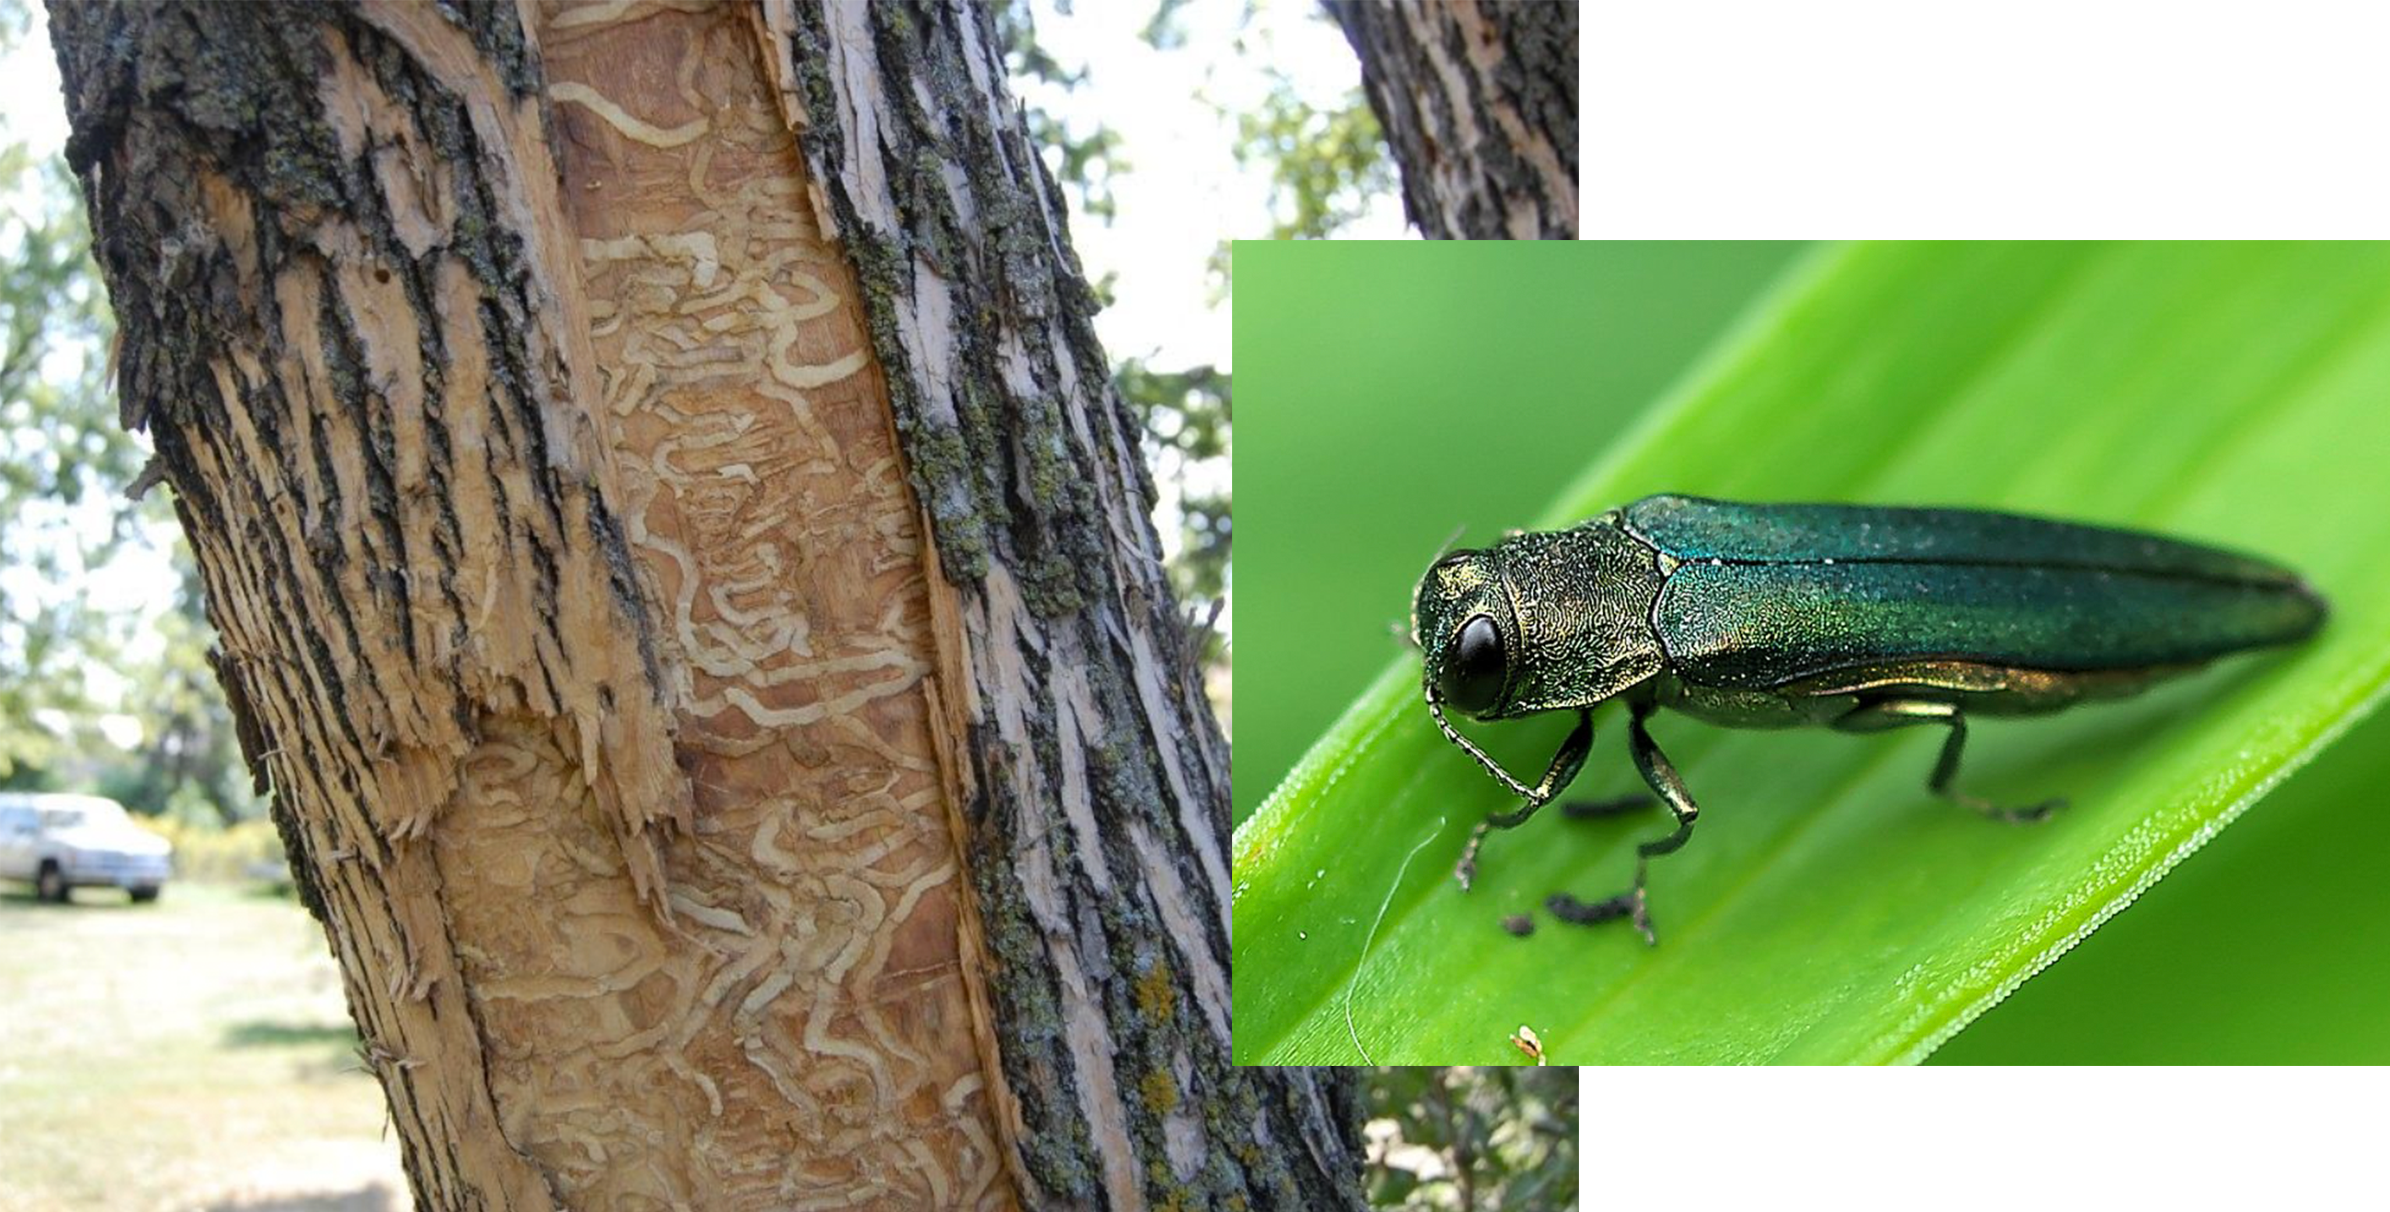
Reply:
x=1710 y=119
x=1999 y=1140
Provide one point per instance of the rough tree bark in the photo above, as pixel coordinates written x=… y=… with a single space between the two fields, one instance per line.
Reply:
x=1479 y=102
x=686 y=580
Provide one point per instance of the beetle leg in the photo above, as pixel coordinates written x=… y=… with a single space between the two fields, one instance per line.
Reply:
x=1670 y=786
x=1565 y=763
x=1897 y=713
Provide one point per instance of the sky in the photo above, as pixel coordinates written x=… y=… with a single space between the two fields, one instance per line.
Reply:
x=1181 y=194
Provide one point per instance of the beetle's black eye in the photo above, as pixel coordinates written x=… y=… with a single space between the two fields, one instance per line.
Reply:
x=1473 y=668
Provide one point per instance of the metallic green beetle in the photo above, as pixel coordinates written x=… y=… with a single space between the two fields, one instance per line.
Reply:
x=1860 y=618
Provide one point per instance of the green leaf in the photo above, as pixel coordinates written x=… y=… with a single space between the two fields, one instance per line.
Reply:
x=2242 y=957
x=1828 y=909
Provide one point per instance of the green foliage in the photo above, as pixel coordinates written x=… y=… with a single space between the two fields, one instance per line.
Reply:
x=1464 y=1138
x=1828 y=909
x=189 y=765
x=64 y=517
x=210 y=852
x=1186 y=417
x=59 y=464
x=1162 y=30
x=1087 y=154
x=1325 y=164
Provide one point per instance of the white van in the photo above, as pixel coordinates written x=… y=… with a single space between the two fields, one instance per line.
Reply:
x=61 y=842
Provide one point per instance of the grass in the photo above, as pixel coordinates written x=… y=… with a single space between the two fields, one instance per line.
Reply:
x=194 y=1053
x=1828 y=910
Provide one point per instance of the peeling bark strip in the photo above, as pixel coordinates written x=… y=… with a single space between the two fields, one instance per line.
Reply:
x=349 y=330
x=1479 y=102
x=1097 y=778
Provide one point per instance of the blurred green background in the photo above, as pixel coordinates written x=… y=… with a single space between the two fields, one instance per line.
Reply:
x=1395 y=394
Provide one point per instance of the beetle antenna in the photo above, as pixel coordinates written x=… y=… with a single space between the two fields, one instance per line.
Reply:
x=1350 y=1031
x=1493 y=767
x=1395 y=628
x=1449 y=540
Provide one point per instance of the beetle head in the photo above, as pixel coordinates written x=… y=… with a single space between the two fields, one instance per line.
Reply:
x=1467 y=632
x=1549 y=621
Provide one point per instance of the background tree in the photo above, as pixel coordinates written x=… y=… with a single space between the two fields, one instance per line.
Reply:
x=187 y=765
x=1478 y=99
x=1470 y=1138
x=1326 y=163
x=71 y=657
x=52 y=324
x=684 y=571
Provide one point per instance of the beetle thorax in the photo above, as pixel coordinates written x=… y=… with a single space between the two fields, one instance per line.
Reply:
x=1584 y=599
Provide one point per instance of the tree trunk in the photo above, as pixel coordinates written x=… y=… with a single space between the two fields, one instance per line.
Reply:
x=1479 y=102
x=684 y=573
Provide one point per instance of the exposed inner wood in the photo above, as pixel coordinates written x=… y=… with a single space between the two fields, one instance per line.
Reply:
x=815 y=997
